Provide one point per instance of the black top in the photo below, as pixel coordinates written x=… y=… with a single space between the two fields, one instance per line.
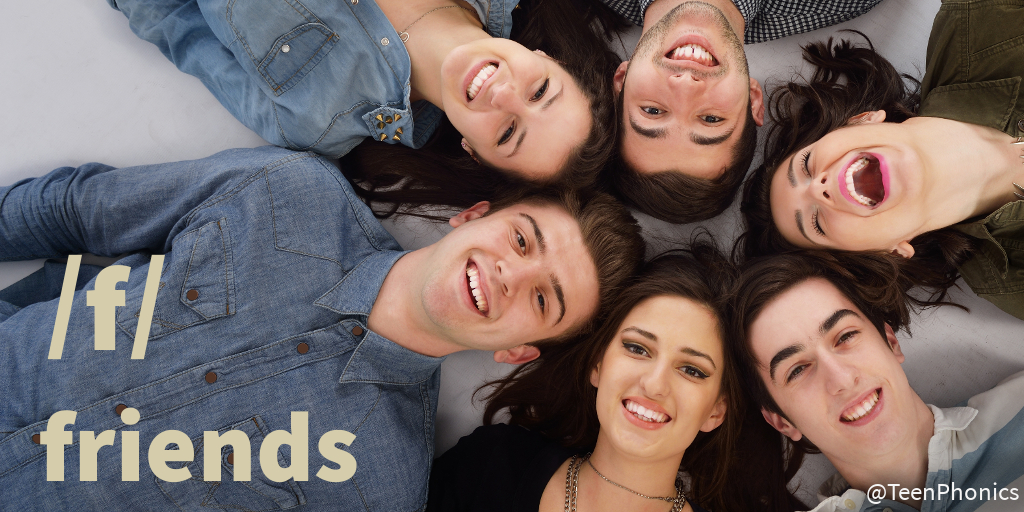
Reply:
x=500 y=468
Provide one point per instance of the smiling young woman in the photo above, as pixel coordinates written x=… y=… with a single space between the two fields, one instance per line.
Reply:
x=614 y=415
x=859 y=160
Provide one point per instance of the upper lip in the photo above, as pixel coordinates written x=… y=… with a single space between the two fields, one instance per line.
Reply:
x=647 y=405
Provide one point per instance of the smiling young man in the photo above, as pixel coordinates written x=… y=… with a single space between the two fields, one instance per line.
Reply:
x=279 y=293
x=821 y=357
x=689 y=109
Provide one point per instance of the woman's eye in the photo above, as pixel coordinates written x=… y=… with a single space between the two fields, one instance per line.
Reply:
x=807 y=160
x=521 y=241
x=633 y=348
x=816 y=225
x=652 y=111
x=795 y=372
x=508 y=134
x=540 y=92
x=711 y=119
x=540 y=302
x=693 y=371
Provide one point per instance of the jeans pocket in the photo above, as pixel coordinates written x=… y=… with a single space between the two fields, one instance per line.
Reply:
x=256 y=494
x=196 y=284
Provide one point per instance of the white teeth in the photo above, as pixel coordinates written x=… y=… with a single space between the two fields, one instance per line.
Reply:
x=645 y=414
x=693 y=52
x=861 y=409
x=479 y=79
x=854 y=168
x=474 y=288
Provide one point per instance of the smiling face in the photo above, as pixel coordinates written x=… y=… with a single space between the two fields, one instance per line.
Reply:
x=860 y=187
x=660 y=379
x=838 y=380
x=519 y=275
x=518 y=110
x=686 y=94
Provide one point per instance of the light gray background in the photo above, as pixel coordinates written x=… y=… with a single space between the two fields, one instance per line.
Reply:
x=78 y=86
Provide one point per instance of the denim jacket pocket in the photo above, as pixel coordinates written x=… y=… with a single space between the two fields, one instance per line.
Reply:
x=196 y=284
x=256 y=494
x=282 y=60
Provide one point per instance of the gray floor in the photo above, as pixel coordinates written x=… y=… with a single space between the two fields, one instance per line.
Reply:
x=79 y=86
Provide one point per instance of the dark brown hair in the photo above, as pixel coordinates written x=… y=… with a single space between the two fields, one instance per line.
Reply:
x=848 y=79
x=553 y=395
x=675 y=197
x=394 y=177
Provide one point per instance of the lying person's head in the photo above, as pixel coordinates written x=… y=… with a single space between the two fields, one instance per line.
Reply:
x=688 y=113
x=654 y=381
x=817 y=345
x=532 y=270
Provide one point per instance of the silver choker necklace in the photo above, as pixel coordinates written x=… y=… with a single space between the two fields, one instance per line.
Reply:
x=572 y=480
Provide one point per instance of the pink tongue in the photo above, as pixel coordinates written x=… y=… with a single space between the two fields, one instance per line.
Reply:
x=868 y=181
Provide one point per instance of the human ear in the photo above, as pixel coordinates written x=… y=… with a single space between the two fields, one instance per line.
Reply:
x=517 y=355
x=870 y=117
x=469 y=149
x=717 y=415
x=894 y=344
x=756 y=102
x=473 y=212
x=781 y=424
x=620 y=76
x=540 y=52
x=904 y=249
x=595 y=375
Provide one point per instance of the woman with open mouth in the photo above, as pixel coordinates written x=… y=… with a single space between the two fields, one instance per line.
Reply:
x=862 y=158
x=612 y=417
x=440 y=76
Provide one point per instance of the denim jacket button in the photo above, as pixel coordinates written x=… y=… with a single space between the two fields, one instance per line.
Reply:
x=384 y=41
x=1020 y=124
x=302 y=348
x=120 y=408
x=192 y=294
x=357 y=331
x=286 y=48
x=231 y=458
x=35 y=438
x=211 y=377
x=355 y=2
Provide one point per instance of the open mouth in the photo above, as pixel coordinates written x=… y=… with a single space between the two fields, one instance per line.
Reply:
x=858 y=411
x=478 y=81
x=644 y=414
x=694 y=53
x=865 y=181
x=473 y=280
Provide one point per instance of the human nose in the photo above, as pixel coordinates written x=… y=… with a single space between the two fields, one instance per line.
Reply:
x=839 y=375
x=655 y=381
x=504 y=97
x=819 y=188
x=687 y=81
x=514 y=275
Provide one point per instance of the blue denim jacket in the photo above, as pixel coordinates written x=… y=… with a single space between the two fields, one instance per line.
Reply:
x=317 y=75
x=285 y=264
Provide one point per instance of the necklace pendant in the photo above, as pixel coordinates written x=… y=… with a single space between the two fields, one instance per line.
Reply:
x=404 y=36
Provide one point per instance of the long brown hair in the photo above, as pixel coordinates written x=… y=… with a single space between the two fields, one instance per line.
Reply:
x=848 y=79
x=576 y=33
x=553 y=395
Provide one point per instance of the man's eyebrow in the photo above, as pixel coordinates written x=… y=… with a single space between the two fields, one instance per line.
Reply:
x=711 y=141
x=536 y=232
x=650 y=133
x=560 y=296
x=832 y=320
x=800 y=225
x=781 y=356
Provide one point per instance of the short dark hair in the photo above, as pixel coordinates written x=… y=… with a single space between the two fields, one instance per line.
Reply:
x=675 y=197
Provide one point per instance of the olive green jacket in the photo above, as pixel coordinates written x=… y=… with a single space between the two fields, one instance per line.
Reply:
x=975 y=69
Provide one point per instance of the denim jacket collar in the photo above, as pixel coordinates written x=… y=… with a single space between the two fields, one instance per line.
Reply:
x=376 y=359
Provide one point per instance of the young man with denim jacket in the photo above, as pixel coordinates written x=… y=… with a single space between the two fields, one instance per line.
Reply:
x=281 y=305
